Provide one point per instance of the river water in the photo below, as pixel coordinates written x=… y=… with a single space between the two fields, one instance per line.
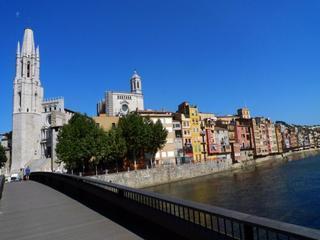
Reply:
x=287 y=190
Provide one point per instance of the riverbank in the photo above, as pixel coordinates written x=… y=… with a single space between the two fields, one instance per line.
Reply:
x=278 y=157
x=166 y=174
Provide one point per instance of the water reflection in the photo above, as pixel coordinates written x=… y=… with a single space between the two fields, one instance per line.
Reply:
x=284 y=190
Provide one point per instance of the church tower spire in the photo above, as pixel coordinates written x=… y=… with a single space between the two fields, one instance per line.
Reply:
x=136 y=83
x=27 y=104
x=18 y=49
x=28 y=43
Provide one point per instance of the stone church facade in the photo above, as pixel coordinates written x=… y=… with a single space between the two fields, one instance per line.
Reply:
x=121 y=103
x=35 y=121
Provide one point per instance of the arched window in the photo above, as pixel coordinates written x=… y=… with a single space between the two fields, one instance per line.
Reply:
x=35 y=101
x=19 y=94
x=21 y=64
x=28 y=69
x=138 y=85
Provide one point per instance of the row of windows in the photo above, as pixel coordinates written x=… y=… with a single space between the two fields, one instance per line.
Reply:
x=164 y=154
x=195 y=121
x=51 y=108
x=186 y=124
x=124 y=97
x=186 y=132
x=176 y=125
x=196 y=130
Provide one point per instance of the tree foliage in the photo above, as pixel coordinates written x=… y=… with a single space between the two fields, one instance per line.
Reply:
x=156 y=138
x=135 y=133
x=142 y=135
x=83 y=144
x=115 y=145
x=3 y=157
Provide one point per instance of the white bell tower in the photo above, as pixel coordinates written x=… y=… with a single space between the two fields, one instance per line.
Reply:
x=27 y=104
x=136 y=83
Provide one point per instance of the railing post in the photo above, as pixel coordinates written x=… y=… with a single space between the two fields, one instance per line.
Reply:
x=248 y=232
x=121 y=192
x=2 y=180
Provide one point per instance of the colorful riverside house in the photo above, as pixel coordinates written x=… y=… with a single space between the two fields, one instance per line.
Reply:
x=300 y=135
x=285 y=135
x=244 y=137
x=294 y=144
x=221 y=146
x=311 y=139
x=178 y=141
x=306 y=139
x=191 y=112
x=316 y=137
x=279 y=138
x=260 y=136
x=272 y=137
x=187 y=151
x=228 y=122
x=207 y=129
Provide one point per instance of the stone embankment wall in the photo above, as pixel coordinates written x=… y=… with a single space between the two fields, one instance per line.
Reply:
x=166 y=174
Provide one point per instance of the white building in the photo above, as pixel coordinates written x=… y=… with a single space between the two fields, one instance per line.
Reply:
x=121 y=103
x=169 y=154
x=35 y=121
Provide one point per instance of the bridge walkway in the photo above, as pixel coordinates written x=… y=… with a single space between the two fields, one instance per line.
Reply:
x=30 y=210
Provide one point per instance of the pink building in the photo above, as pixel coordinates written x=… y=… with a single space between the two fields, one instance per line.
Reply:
x=244 y=138
x=244 y=133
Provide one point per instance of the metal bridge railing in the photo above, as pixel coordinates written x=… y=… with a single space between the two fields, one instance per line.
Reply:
x=2 y=180
x=227 y=223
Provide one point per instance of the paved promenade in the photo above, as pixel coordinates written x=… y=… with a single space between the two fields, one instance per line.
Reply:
x=30 y=210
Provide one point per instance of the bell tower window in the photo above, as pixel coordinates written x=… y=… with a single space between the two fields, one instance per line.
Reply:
x=21 y=64
x=28 y=69
x=138 y=85
x=19 y=95
x=35 y=101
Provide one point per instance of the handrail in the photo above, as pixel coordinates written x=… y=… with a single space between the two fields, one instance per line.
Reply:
x=2 y=180
x=229 y=223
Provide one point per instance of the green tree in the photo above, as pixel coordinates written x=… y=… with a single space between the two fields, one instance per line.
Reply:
x=157 y=138
x=81 y=143
x=142 y=136
x=3 y=157
x=133 y=130
x=116 y=148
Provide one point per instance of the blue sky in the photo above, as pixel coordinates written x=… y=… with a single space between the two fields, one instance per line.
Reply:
x=219 y=55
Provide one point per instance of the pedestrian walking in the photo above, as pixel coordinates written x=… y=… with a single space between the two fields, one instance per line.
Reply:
x=27 y=173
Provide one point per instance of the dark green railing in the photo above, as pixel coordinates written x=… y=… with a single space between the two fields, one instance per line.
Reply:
x=2 y=180
x=222 y=223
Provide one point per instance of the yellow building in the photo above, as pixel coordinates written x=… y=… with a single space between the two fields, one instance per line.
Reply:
x=106 y=122
x=191 y=112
